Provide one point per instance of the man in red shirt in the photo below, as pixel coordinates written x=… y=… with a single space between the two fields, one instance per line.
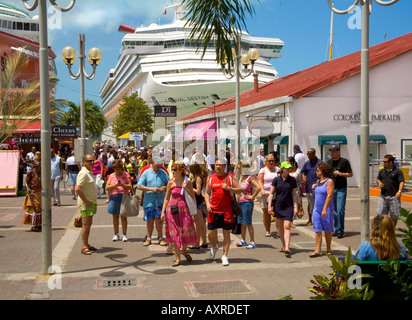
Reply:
x=218 y=199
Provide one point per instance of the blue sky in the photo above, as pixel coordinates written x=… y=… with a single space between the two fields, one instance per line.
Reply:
x=303 y=25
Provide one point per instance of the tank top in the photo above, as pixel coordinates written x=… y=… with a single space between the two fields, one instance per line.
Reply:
x=55 y=167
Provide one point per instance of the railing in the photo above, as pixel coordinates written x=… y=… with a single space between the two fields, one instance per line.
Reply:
x=405 y=165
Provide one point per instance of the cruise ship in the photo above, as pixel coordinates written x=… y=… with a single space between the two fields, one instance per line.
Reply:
x=17 y=22
x=162 y=65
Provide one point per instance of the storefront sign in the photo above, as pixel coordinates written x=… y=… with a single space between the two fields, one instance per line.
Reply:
x=374 y=117
x=133 y=136
x=165 y=111
x=64 y=132
x=28 y=140
x=261 y=128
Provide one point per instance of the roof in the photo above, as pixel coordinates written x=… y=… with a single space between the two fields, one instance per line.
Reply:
x=19 y=41
x=25 y=126
x=307 y=81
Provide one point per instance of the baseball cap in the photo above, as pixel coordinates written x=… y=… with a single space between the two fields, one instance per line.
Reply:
x=334 y=148
x=285 y=165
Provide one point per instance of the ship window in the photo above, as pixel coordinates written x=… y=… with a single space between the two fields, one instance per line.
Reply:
x=27 y=26
x=34 y=27
x=19 y=26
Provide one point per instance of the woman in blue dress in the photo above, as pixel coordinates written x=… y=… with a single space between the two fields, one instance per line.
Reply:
x=323 y=209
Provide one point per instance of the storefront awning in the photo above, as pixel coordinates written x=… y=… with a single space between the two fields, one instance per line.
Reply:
x=124 y=136
x=333 y=139
x=375 y=139
x=281 y=140
x=205 y=130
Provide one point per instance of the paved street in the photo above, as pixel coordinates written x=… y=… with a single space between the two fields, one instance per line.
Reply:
x=130 y=271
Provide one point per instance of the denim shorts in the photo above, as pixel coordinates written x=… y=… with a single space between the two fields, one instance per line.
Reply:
x=247 y=210
x=115 y=201
x=72 y=178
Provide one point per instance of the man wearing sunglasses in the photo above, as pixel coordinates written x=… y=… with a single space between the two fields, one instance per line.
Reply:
x=87 y=200
x=391 y=181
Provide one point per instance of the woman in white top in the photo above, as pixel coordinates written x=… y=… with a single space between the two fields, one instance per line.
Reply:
x=265 y=178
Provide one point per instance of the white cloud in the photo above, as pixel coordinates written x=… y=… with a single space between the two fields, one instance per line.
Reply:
x=109 y=14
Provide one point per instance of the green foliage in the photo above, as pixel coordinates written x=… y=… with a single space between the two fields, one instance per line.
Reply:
x=95 y=121
x=18 y=102
x=219 y=21
x=403 y=278
x=134 y=116
x=336 y=287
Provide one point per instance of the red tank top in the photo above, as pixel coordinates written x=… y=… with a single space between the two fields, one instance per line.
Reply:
x=220 y=200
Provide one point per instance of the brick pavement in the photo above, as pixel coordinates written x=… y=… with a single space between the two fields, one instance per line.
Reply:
x=260 y=274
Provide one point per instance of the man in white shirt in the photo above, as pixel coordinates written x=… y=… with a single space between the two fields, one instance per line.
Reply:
x=30 y=158
x=299 y=156
x=56 y=176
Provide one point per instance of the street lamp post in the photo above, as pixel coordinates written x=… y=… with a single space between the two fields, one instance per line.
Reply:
x=45 y=126
x=245 y=60
x=364 y=148
x=69 y=56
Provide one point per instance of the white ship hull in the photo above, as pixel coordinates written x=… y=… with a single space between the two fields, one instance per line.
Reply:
x=162 y=65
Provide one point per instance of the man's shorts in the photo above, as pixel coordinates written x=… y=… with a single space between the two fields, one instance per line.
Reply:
x=391 y=205
x=90 y=211
x=72 y=179
x=152 y=212
x=219 y=222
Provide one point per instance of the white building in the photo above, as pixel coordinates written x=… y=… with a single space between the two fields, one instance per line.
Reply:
x=320 y=106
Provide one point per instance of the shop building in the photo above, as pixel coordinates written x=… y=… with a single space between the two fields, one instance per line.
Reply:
x=320 y=106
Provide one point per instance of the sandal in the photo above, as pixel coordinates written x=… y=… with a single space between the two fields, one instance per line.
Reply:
x=267 y=234
x=91 y=248
x=176 y=264
x=188 y=257
x=315 y=255
x=86 y=251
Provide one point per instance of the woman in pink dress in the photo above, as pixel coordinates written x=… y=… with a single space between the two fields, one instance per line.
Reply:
x=180 y=229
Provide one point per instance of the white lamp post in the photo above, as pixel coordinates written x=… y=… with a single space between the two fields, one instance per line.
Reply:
x=245 y=60
x=364 y=148
x=45 y=126
x=69 y=56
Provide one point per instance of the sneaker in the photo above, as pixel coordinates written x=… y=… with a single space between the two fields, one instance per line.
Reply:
x=340 y=235
x=124 y=238
x=115 y=237
x=251 y=245
x=147 y=242
x=162 y=242
x=241 y=243
x=213 y=251
x=225 y=261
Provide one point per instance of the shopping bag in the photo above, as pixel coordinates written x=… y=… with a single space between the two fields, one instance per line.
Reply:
x=130 y=205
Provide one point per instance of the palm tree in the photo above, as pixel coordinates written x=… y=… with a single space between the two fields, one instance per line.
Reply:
x=217 y=20
x=20 y=106
x=94 y=118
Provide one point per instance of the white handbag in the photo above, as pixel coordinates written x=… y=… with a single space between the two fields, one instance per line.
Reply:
x=191 y=202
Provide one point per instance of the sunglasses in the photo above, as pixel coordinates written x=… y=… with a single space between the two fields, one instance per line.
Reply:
x=90 y=161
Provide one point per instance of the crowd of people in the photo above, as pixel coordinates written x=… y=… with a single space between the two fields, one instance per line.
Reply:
x=186 y=200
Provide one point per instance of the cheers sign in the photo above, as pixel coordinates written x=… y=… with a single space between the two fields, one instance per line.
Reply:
x=64 y=132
